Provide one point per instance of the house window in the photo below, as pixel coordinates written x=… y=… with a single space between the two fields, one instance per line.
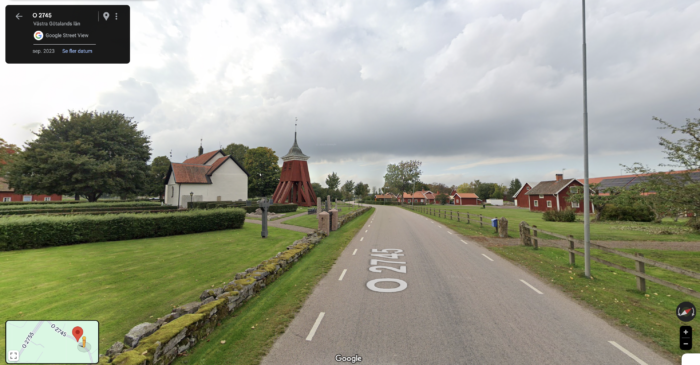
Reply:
x=537 y=203
x=549 y=203
x=541 y=196
x=172 y=191
x=6 y=199
x=573 y=189
x=27 y=198
x=574 y=204
x=47 y=199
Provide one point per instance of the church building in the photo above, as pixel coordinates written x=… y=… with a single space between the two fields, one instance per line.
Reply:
x=210 y=176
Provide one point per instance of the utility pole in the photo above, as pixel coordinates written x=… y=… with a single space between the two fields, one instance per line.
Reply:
x=586 y=193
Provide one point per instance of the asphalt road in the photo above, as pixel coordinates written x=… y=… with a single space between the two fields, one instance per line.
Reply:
x=462 y=304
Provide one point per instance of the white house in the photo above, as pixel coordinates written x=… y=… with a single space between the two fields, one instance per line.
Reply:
x=211 y=176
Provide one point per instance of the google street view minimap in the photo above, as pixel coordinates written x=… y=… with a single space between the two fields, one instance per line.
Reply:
x=51 y=342
x=311 y=182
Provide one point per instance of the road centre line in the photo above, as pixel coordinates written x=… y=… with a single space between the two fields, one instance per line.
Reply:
x=362 y=239
x=315 y=327
x=354 y=252
x=341 y=275
x=465 y=242
x=531 y=287
x=638 y=360
x=487 y=257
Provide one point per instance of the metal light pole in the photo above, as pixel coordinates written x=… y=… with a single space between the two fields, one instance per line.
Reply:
x=191 y=194
x=586 y=193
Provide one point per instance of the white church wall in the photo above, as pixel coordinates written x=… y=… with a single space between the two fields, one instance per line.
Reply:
x=229 y=182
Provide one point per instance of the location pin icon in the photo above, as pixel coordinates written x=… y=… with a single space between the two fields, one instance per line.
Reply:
x=77 y=332
x=106 y=15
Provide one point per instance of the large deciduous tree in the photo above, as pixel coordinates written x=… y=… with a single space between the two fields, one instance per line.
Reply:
x=400 y=177
x=8 y=152
x=237 y=151
x=263 y=170
x=361 y=189
x=333 y=181
x=348 y=189
x=86 y=153
x=515 y=185
x=156 y=177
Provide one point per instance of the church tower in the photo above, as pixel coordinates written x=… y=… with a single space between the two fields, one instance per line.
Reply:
x=295 y=183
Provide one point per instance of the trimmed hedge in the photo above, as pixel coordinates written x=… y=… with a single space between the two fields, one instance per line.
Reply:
x=83 y=201
x=637 y=213
x=17 y=233
x=68 y=210
x=274 y=208
x=566 y=215
x=77 y=205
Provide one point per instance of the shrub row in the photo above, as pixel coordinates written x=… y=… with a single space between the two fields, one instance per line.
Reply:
x=82 y=204
x=636 y=213
x=566 y=215
x=71 y=209
x=274 y=208
x=54 y=202
x=18 y=233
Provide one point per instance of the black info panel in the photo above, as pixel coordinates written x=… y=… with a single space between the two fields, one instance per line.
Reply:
x=67 y=34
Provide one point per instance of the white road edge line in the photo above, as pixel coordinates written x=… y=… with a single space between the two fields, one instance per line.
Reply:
x=638 y=360
x=439 y=227
x=354 y=252
x=361 y=239
x=465 y=242
x=343 y=274
x=449 y=232
x=487 y=257
x=531 y=287
x=315 y=327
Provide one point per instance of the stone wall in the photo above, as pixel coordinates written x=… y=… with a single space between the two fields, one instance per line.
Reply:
x=161 y=342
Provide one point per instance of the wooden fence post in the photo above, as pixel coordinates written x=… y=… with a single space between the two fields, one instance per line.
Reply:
x=457 y=216
x=481 y=221
x=467 y=217
x=572 y=256
x=450 y=215
x=535 y=244
x=639 y=266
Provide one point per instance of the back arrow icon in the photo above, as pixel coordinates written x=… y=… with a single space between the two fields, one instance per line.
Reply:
x=18 y=16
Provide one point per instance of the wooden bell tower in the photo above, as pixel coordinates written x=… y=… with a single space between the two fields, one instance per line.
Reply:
x=295 y=183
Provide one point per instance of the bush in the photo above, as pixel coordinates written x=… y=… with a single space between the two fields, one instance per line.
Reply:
x=18 y=233
x=566 y=215
x=635 y=213
x=71 y=209
x=81 y=205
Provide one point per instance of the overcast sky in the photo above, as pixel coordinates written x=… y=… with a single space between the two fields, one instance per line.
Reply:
x=481 y=89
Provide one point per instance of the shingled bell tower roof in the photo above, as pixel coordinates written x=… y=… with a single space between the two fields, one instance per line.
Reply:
x=295 y=153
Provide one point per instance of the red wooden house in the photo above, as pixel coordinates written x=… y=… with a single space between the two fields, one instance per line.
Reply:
x=548 y=195
x=466 y=199
x=522 y=200
x=8 y=195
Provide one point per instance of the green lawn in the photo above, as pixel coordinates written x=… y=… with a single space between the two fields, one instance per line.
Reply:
x=311 y=221
x=651 y=315
x=124 y=283
x=284 y=215
x=255 y=326
x=604 y=231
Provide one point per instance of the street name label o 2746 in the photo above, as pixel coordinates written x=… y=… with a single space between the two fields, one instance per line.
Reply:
x=52 y=342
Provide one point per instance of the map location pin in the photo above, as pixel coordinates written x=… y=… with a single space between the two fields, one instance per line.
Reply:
x=106 y=15
x=77 y=332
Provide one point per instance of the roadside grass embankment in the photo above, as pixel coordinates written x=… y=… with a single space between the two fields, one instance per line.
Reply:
x=667 y=230
x=255 y=326
x=650 y=316
x=311 y=221
x=124 y=283
x=284 y=215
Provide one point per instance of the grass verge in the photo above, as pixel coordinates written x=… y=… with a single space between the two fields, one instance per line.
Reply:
x=471 y=229
x=284 y=215
x=255 y=326
x=613 y=294
x=124 y=283
x=667 y=230
x=311 y=221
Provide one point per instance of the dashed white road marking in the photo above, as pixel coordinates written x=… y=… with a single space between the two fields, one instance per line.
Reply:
x=465 y=242
x=343 y=274
x=487 y=257
x=449 y=232
x=635 y=358
x=365 y=231
x=439 y=227
x=362 y=239
x=315 y=327
x=531 y=287
x=354 y=252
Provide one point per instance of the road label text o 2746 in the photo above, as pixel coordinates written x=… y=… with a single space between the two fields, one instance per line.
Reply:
x=372 y=284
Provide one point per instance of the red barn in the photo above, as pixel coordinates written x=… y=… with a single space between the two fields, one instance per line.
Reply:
x=548 y=195
x=8 y=195
x=522 y=200
x=466 y=199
